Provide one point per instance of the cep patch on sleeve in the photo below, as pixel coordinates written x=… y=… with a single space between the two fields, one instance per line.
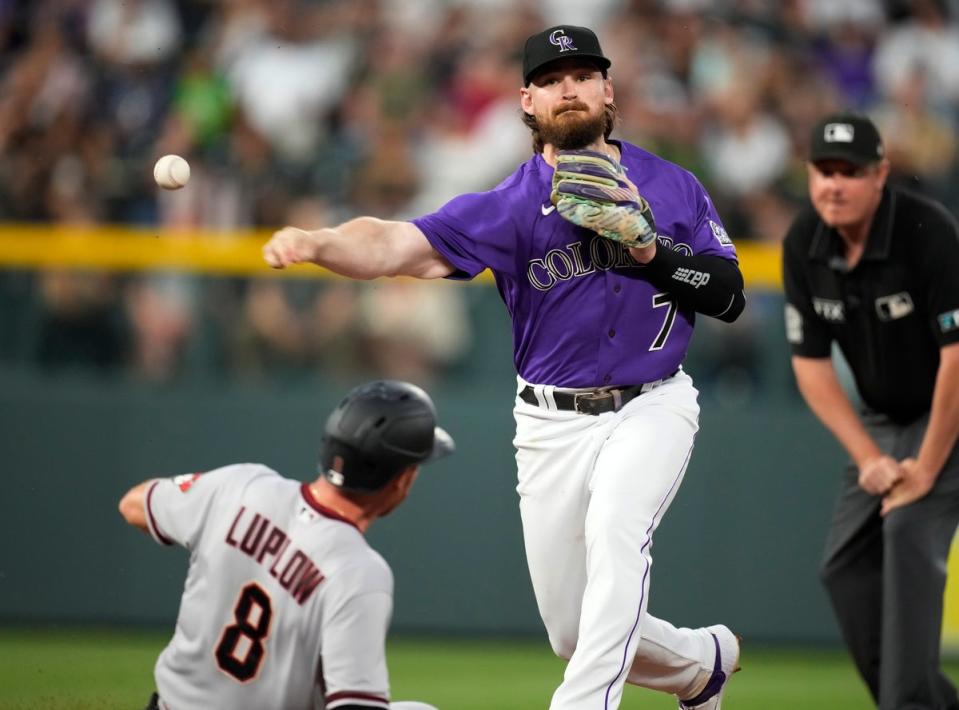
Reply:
x=948 y=321
x=185 y=482
x=793 y=324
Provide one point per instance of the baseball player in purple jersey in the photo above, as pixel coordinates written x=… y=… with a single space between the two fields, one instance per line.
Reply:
x=285 y=605
x=603 y=254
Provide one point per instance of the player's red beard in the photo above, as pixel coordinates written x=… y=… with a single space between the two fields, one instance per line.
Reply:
x=572 y=126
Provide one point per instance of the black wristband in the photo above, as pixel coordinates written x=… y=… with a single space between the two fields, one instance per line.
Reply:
x=707 y=284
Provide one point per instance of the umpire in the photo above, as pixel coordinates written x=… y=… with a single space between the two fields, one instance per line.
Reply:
x=876 y=269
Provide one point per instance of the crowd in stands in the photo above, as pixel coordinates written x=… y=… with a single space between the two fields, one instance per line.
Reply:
x=308 y=112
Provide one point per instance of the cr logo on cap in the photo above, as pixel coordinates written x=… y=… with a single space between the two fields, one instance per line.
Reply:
x=559 y=38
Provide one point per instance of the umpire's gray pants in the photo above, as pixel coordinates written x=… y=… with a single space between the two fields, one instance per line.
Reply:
x=886 y=578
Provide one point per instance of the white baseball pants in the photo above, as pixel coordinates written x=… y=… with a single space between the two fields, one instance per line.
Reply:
x=592 y=491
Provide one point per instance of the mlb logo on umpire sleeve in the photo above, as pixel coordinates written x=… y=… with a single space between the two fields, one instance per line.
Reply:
x=839 y=133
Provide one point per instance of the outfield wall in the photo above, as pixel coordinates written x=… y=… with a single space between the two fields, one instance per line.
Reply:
x=740 y=544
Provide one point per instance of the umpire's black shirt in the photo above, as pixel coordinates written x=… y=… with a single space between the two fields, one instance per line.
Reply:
x=891 y=312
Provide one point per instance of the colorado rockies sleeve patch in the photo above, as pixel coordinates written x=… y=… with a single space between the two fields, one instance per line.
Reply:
x=720 y=233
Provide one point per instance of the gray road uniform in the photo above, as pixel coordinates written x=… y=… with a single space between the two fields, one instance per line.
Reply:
x=285 y=605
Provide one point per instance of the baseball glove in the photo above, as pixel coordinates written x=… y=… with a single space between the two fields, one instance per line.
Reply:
x=591 y=190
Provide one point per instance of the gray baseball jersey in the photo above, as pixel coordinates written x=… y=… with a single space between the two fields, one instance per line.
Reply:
x=285 y=604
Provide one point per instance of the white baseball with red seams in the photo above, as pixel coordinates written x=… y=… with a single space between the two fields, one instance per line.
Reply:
x=171 y=172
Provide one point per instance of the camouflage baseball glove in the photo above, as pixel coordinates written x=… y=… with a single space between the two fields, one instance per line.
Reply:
x=591 y=190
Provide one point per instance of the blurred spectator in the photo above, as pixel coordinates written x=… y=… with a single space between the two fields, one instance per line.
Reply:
x=828 y=15
x=291 y=327
x=79 y=323
x=386 y=180
x=746 y=149
x=326 y=109
x=413 y=330
x=134 y=32
x=920 y=143
x=288 y=77
x=45 y=95
x=845 y=54
x=201 y=104
x=162 y=310
x=478 y=111
x=79 y=319
x=926 y=43
x=401 y=329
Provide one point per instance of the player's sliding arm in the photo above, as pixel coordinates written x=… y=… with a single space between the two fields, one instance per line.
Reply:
x=363 y=248
x=133 y=505
x=920 y=474
x=820 y=388
x=708 y=284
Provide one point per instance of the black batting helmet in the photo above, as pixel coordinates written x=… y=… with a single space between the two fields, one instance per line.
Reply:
x=378 y=430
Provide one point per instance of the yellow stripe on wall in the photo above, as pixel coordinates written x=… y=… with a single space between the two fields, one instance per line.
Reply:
x=222 y=253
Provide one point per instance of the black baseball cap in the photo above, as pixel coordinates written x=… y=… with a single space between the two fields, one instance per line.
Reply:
x=846 y=136
x=561 y=42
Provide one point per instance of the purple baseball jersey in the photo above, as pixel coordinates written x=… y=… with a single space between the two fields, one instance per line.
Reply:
x=583 y=314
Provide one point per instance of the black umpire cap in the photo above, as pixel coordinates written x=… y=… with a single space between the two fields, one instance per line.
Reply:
x=846 y=136
x=561 y=42
x=379 y=429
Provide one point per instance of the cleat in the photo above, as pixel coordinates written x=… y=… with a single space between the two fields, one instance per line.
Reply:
x=727 y=663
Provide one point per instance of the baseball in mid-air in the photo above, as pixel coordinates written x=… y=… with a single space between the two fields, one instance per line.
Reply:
x=171 y=172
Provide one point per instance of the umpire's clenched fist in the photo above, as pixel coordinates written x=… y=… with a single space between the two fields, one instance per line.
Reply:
x=289 y=246
x=879 y=474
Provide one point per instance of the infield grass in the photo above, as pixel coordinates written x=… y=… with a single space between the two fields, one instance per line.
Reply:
x=86 y=669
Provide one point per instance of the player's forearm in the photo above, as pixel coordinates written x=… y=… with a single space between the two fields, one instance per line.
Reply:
x=363 y=248
x=708 y=284
x=359 y=249
x=820 y=387
x=943 y=427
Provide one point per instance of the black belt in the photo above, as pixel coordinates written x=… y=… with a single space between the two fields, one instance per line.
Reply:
x=599 y=401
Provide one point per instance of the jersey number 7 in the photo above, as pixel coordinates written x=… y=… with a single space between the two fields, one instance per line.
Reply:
x=660 y=300
x=252 y=615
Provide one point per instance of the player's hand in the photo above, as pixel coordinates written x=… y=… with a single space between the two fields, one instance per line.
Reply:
x=289 y=246
x=879 y=474
x=915 y=483
x=643 y=255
